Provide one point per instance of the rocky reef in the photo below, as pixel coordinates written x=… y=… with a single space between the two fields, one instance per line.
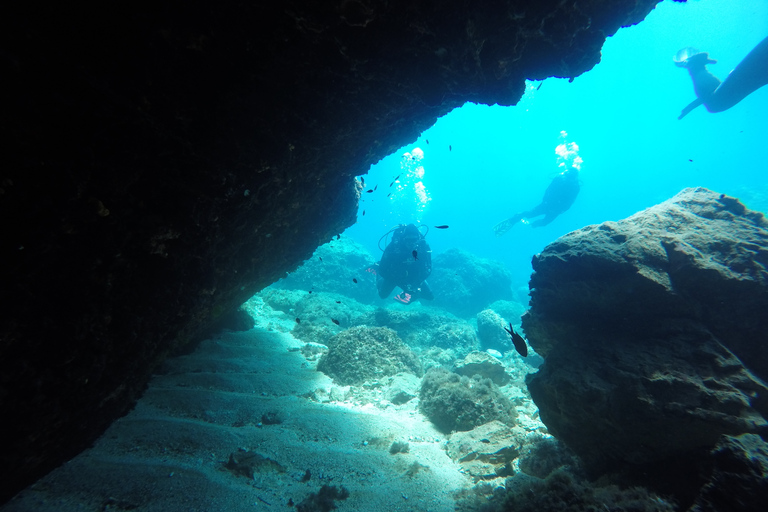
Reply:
x=464 y=284
x=162 y=164
x=654 y=332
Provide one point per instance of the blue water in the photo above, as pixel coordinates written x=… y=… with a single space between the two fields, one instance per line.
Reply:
x=483 y=163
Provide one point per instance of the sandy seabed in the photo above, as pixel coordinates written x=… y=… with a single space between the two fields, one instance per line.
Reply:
x=172 y=451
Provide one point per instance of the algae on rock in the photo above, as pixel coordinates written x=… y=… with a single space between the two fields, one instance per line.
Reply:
x=366 y=353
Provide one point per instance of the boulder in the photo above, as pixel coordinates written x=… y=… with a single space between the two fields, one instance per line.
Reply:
x=484 y=365
x=366 y=353
x=453 y=402
x=654 y=332
x=485 y=452
x=490 y=331
x=402 y=388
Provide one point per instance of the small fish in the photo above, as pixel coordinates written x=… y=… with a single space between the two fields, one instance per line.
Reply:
x=391 y=183
x=517 y=341
x=427 y=141
x=374 y=188
x=415 y=254
x=389 y=194
x=338 y=302
x=338 y=237
x=363 y=213
x=690 y=160
x=397 y=177
x=354 y=280
x=444 y=226
x=310 y=291
x=539 y=87
x=370 y=190
x=298 y=320
x=450 y=148
x=335 y=321
x=321 y=258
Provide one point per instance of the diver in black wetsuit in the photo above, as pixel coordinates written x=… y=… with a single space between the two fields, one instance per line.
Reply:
x=406 y=262
x=748 y=76
x=558 y=197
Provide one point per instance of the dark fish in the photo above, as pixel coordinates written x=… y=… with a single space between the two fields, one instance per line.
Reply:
x=391 y=183
x=354 y=280
x=450 y=148
x=415 y=254
x=377 y=186
x=335 y=321
x=517 y=341
x=444 y=226
x=363 y=212
x=321 y=258
x=397 y=177
x=389 y=194
x=369 y=190
x=539 y=87
x=427 y=140
x=338 y=302
x=690 y=160
x=298 y=320
x=310 y=291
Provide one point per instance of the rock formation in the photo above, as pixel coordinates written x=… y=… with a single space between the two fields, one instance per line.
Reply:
x=163 y=163
x=654 y=332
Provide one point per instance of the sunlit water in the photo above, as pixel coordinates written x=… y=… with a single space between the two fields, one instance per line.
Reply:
x=482 y=164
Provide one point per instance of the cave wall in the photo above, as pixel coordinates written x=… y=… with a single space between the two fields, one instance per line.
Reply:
x=164 y=161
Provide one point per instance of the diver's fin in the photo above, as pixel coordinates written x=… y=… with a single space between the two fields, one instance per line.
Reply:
x=502 y=227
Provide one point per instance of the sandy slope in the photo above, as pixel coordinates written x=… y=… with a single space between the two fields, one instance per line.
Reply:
x=169 y=453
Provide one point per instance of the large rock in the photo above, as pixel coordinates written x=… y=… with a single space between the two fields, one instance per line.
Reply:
x=654 y=332
x=162 y=164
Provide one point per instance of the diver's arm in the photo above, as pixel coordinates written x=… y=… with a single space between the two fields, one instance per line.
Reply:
x=692 y=105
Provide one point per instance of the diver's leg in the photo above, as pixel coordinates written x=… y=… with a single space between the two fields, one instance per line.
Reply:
x=549 y=217
x=384 y=286
x=748 y=76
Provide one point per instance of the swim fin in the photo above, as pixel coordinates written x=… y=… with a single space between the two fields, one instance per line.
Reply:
x=502 y=227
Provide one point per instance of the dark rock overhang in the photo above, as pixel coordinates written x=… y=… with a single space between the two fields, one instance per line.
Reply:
x=164 y=163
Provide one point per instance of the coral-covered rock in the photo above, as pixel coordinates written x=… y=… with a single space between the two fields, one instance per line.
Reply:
x=484 y=365
x=490 y=331
x=465 y=284
x=453 y=402
x=739 y=478
x=416 y=325
x=654 y=331
x=458 y=336
x=339 y=267
x=366 y=353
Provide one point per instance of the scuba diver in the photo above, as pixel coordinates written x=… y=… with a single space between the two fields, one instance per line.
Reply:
x=559 y=196
x=748 y=76
x=406 y=263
